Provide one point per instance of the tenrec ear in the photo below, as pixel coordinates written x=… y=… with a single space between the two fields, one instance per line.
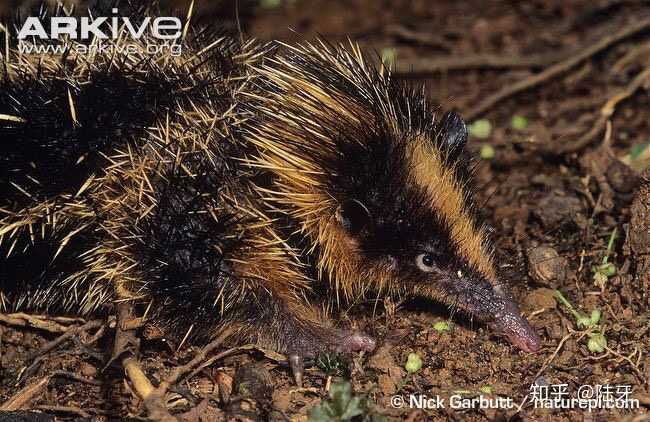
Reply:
x=454 y=130
x=353 y=216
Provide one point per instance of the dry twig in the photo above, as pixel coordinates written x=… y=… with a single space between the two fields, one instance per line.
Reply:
x=422 y=38
x=35 y=321
x=557 y=69
x=557 y=350
x=25 y=395
x=606 y=113
x=67 y=410
x=630 y=57
x=425 y=65
x=628 y=359
x=76 y=377
x=179 y=371
x=71 y=332
x=126 y=346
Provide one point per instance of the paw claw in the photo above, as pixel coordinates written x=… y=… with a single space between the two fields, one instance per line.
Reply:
x=297 y=368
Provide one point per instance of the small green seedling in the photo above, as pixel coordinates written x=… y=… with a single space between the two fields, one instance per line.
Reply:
x=582 y=321
x=638 y=150
x=487 y=152
x=605 y=270
x=332 y=364
x=639 y=157
x=595 y=317
x=442 y=326
x=481 y=129
x=413 y=363
x=597 y=342
x=519 y=122
x=343 y=406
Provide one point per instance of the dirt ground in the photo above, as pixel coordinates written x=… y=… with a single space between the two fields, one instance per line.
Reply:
x=557 y=96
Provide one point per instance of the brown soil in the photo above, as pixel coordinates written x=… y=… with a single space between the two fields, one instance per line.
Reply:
x=553 y=205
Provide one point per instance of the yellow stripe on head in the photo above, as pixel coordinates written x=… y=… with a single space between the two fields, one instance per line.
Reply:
x=447 y=198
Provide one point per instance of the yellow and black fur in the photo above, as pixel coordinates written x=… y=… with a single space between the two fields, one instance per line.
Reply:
x=237 y=184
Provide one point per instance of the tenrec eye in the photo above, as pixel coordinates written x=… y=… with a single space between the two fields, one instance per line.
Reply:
x=425 y=262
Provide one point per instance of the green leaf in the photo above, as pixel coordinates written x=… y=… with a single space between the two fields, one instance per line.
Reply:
x=342 y=406
x=519 y=122
x=331 y=364
x=352 y=409
x=487 y=152
x=413 y=363
x=322 y=413
x=595 y=316
x=441 y=326
x=481 y=129
x=638 y=149
x=600 y=279
x=341 y=390
x=583 y=322
x=608 y=269
x=340 y=395
x=597 y=343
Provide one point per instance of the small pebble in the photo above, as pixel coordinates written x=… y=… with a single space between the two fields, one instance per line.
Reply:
x=622 y=178
x=87 y=370
x=557 y=208
x=546 y=266
x=541 y=381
